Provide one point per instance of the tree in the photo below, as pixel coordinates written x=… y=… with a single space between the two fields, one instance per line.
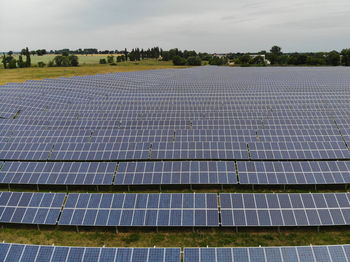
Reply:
x=276 y=50
x=282 y=59
x=315 y=61
x=73 y=60
x=194 y=60
x=218 y=61
x=110 y=59
x=178 y=60
x=126 y=54
x=333 y=58
x=58 y=60
x=103 y=61
x=27 y=54
x=345 y=57
x=257 y=60
x=10 y=53
x=244 y=59
x=120 y=58
x=4 y=61
x=12 y=63
x=20 y=62
x=41 y=64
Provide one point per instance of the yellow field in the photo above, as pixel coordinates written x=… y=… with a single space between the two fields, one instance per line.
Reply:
x=36 y=73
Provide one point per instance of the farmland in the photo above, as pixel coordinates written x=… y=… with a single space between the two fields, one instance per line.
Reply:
x=37 y=73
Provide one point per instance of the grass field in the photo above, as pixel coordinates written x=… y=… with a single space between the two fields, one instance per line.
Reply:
x=83 y=59
x=176 y=238
x=37 y=73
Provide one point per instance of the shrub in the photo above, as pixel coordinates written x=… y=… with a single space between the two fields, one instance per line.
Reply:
x=73 y=60
x=50 y=63
x=178 y=60
x=110 y=59
x=12 y=63
x=218 y=61
x=345 y=57
x=194 y=60
x=103 y=61
x=41 y=64
x=120 y=58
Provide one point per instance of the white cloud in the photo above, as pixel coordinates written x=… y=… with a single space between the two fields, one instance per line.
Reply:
x=215 y=26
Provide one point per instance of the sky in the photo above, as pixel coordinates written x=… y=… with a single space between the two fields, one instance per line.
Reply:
x=203 y=25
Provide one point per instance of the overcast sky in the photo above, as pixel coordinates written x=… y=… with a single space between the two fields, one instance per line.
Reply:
x=203 y=25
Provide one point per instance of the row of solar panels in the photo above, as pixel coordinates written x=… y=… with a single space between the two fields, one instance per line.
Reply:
x=175 y=173
x=175 y=150
x=35 y=253
x=159 y=115
x=181 y=210
x=132 y=136
x=179 y=124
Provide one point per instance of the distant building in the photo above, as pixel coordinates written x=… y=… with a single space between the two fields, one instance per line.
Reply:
x=263 y=56
x=220 y=55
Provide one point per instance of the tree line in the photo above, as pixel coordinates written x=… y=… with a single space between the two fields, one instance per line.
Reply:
x=275 y=56
x=9 y=61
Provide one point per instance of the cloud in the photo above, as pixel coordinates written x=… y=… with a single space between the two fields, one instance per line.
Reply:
x=214 y=26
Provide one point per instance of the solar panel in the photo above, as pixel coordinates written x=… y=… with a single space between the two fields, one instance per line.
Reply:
x=57 y=173
x=338 y=253
x=36 y=253
x=184 y=172
x=257 y=210
x=30 y=208
x=141 y=210
x=284 y=172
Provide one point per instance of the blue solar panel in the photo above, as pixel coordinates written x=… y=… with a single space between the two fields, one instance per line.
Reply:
x=268 y=254
x=35 y=253
x=140 y=210
x=191 y=172
x=30 y=208
x=315 y=172
x=285 y=209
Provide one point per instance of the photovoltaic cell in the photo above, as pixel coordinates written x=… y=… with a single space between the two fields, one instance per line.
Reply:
x=30 y=208
x=285 y=209
x=184 y=172
x=141 y=210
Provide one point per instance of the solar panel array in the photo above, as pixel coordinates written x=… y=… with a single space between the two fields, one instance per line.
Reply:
x=205 y=113
x=297 y=173
x=175 y=209
x=30 y=208
x=285 y=209
x=57 y=173
x=18 y=252
x=184 y=172
x=35 y=253
x=141 y=210
x=336 y=253
x=206 y=125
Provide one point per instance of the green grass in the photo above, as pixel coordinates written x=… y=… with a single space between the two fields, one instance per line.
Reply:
x=83 y=59
x=37 y=73
x=176 y=238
